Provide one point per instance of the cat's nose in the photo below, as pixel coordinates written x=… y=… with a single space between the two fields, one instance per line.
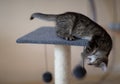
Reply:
x=89 y=59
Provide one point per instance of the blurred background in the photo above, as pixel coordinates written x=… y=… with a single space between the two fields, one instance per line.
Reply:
x=25 y=63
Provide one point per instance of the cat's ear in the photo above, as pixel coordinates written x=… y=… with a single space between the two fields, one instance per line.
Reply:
x=103 y=66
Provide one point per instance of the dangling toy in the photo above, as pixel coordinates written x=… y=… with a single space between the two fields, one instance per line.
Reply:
x=80 y=71
x=47 y=76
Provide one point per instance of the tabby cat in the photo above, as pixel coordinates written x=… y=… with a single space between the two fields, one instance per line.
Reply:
x=72 y=26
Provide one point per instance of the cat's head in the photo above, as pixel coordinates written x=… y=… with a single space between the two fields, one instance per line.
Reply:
x=100 y=62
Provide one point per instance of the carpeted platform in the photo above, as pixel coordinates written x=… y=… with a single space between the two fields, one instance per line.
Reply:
x=47 y=35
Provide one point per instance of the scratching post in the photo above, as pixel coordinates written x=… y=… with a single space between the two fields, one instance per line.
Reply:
x=47 y=35
x=62 y=64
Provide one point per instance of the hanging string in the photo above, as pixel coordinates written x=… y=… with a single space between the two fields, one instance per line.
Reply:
x=46 y=58
x=79 y=71
x=83 y=59
x=47 y=76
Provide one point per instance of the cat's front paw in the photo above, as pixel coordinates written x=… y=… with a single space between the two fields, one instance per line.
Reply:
x=66 y=36
x=70 y=38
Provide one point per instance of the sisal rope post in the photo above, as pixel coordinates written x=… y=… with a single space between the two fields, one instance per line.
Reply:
x=62 y=64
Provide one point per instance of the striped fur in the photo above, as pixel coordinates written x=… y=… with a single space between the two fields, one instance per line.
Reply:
x=72 y=26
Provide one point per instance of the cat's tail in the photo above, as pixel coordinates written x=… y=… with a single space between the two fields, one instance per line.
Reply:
x=47 y=17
